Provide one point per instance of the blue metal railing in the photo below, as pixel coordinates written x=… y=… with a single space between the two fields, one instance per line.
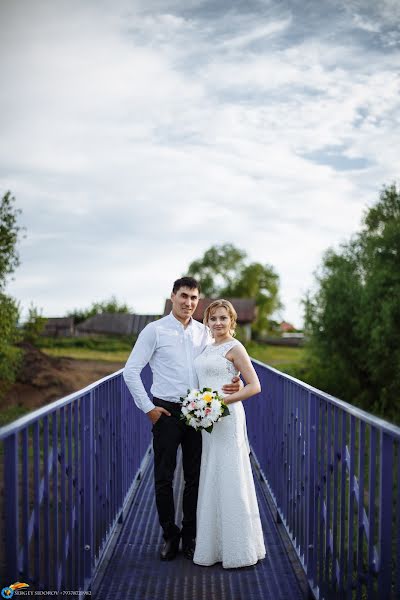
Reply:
x=334 y=473
x=69 y=469
x=332 y=470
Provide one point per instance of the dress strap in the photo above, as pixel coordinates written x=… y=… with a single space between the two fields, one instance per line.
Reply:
x=228 y=346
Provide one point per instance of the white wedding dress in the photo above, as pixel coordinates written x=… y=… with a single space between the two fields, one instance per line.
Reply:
x=228 y=521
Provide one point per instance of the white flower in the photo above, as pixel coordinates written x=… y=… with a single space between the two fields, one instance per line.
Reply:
x=216 y=405
x=193 y=394
x=193 y=422
x=201 y=403
x=184 y=410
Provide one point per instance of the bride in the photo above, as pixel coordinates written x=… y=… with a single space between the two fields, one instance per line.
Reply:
x=228 y=521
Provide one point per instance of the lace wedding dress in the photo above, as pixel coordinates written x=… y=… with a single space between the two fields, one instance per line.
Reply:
x=228 y=521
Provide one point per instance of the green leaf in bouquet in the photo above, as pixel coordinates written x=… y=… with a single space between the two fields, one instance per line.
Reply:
x=225 y=411
x=206 y=390
x=209 y=429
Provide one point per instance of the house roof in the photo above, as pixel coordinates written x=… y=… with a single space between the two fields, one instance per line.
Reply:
x=116 y=323
x=245 y=308
x=285 y=326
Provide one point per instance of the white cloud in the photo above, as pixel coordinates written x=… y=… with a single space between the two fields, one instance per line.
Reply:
x=366 y=25
x=134 y=137
x=258 y=33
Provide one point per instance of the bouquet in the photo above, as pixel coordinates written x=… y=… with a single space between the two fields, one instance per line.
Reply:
x=202 y=408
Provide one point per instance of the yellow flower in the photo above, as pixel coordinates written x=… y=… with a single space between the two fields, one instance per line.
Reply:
x=207 y=397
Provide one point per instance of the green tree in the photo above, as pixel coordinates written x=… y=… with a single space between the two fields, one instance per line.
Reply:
x=330 y=316
x=10 y=355
x=112 y=305
x=224 y=271
x=260 y=282
x=353 y=319
x=9 y=233
x=218 y=269
x=380 y=325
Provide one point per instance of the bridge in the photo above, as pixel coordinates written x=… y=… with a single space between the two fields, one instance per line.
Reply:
x=79 y=517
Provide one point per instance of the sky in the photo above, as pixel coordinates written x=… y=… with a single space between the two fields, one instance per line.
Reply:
x=136 y=134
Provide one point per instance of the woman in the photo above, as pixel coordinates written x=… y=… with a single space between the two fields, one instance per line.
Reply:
x=228 y=521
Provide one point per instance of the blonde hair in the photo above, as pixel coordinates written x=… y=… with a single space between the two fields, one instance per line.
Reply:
x=221 y=304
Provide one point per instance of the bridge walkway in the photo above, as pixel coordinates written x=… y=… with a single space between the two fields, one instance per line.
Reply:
x=132 y=569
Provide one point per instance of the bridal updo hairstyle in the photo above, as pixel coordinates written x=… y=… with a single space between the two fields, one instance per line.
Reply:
x=230 y=310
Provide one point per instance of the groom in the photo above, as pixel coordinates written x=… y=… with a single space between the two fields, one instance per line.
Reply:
x=170 y=346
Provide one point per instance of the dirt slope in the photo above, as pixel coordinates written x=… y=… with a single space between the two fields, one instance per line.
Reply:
x=43 y=378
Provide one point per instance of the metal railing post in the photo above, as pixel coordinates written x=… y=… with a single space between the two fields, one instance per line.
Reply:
x=11 y=505
x=119 y=452
x=385 y=515
x=311 y=452
x=87 y=486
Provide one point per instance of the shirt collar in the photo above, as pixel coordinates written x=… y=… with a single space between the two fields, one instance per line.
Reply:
x=178 y=323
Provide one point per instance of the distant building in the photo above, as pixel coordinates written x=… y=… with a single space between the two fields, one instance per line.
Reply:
x=59 y=327
x=115 y=324
x=286 y=327
x=245 y=307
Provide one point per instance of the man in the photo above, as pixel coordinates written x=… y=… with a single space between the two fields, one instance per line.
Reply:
x=170 y=346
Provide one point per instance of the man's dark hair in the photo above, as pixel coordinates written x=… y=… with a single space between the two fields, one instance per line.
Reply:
x=189 y=282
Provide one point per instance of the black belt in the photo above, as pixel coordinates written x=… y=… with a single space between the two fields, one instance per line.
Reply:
x=168 y=402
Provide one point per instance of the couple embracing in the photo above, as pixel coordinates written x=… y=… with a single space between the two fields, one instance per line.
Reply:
x=221 y=521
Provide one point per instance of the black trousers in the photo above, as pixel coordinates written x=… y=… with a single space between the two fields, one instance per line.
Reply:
x=168 y=434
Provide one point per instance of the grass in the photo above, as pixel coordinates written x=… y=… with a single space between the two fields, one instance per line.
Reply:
x=100 y=347
x=87 y=354
x=284 y=358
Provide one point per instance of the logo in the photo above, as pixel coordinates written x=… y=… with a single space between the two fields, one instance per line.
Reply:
x=8 y=592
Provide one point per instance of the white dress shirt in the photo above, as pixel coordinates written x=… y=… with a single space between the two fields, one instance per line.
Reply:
x=170 y=349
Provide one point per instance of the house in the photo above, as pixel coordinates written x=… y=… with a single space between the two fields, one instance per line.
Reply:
x=59 y=327
x=286 y=327
x=245 y=308
x=115 y=324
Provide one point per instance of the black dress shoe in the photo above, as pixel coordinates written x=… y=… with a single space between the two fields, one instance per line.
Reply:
x=188 y=548
x=170 y=548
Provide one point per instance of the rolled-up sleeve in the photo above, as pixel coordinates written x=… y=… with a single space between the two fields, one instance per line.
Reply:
x=141 y=354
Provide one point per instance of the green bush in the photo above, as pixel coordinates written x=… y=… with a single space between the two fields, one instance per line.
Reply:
x=33 y=326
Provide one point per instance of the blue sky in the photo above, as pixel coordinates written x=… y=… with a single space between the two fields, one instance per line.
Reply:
x=136 y=134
